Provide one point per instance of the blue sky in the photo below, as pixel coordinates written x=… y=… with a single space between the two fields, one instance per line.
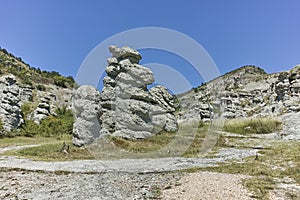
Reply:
x=59 y=34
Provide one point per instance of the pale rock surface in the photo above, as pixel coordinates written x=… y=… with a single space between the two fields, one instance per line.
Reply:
x=10 y=102
x=125 y=107
x=129 y=109
x=42 y=111
x=86 y=109
x=245 y=92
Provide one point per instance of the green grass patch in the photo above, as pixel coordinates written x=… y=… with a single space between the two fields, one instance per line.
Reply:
x=50 y=148
x=52 y=152
x=21 y=141
x=252 y=126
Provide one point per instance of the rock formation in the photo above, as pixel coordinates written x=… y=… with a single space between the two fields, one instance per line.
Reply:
x=245 y=92
x=42 y=111
x=86 y=104
x=26 y=93
x=128 y=108
x=10 y=111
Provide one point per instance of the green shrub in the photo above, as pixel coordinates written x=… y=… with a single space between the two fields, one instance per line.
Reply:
x=59 y=81
x=252 y=126
x=62 y=81
x=52 y=126
x=26 y=108
x=41 y=87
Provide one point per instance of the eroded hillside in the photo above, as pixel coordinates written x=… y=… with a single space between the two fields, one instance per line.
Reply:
x=29 y=94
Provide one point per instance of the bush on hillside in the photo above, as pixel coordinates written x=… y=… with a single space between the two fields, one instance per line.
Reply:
x=41 y=87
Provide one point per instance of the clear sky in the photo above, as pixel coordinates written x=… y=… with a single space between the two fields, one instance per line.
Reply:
x=58 y=34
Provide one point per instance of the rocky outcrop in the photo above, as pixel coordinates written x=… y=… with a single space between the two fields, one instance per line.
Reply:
x=245 y=92
x=86 y=107
x=126 y=107
x=44 y=109
x=129 y=109
x=26 y=93
x=10 y=111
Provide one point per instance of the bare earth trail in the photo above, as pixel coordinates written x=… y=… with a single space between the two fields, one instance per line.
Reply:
x=123 y=165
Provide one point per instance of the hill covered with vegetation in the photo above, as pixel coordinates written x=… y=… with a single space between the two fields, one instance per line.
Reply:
x=30 y=75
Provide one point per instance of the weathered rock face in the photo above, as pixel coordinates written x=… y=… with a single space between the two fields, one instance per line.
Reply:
x=126 y=107
x=26 y=93
x=86 y=107
x=10 y=111
x=246 y=92
x=129 y=110
x=43 y=110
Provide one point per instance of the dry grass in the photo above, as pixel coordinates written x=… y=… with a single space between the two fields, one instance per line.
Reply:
x=52 y=152
x=21 y=141
x=252 y=126
x=189 y=137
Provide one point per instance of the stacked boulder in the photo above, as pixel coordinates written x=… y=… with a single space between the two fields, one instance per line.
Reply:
x=10 y=102
x=127 y=108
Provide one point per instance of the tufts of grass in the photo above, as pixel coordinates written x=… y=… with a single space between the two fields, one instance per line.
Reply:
x=21 y=140
x=183 y=138
x=52 y=152
x=252 y=126
x=144 y=145
x=195 y=146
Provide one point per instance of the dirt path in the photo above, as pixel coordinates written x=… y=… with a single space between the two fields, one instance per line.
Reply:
x=125 y=165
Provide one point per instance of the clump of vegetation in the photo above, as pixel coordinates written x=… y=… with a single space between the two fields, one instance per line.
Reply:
x=252 y=126
x=41 y=87
x=52 y=126
x=29 y=75
x=202 y=87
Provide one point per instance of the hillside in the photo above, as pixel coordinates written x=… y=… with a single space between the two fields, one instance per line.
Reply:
x=245 y=92
x=27 y=75
x=28 y=95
